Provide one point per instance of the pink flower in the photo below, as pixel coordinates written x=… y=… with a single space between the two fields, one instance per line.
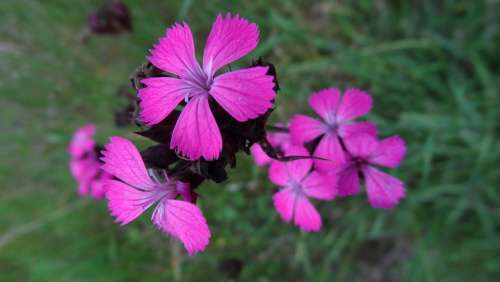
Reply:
x=384 y=191
x=245 y=94
x=337 y=114
x=298 y=183
x=137 y=191
x=84 y=164
x=82 y=141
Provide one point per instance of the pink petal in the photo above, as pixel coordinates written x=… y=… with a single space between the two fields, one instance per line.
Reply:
x=390 y=152
x=175 y=52
x=160 y=97
x=355 y=103
x=297 y=169
x=306 y=216
x=281 y=172
x=348 y=181
x=124 y=202
x=280 y=140
x=324 y=103
x=290 y=204
x=278 y=173
x=84 y=171
x=330 y=149
x=185 y=222
x=320 y=186
x=245 y=94
x=384 y=191
x=367 y=127
x=78 y=167
x=304 y=129
x=230 y=39
x=122 y=160
x=196 y=133
x=98 y=186
x=361 y=145
x=83 y=187
x=260 y=157
x=284 y=202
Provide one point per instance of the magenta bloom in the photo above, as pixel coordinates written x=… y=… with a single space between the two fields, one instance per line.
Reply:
x=137 y=191
x=84 y=164
x=297 y=184
x=337 y=114
x=384 y=191
x=245 y=94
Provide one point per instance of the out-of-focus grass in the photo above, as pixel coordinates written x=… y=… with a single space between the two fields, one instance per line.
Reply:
x=432 y=67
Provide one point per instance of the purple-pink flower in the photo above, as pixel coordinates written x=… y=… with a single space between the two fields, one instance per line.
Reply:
x=298 y=182
x=244 y=94
x=137 y=191
x=84 y=163
x=365 y=151
x=337 y=113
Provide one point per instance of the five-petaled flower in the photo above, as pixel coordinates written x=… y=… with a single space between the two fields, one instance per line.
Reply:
x=384 y=191
x=298 y=183
x=137 y=191
x=245 y=94
x=337 y=114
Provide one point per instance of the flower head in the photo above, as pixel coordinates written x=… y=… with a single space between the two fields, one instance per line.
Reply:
x=137 y=191
x=337 y=113
x=365 y=151
x=85 y=165
x=244 y=94
x=297 y=184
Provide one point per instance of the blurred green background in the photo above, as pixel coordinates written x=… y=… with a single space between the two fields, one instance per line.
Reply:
x=432 y=67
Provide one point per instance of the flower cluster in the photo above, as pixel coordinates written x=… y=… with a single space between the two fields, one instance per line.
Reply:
x=201 y=115
x=85 y=165
x=342 y=150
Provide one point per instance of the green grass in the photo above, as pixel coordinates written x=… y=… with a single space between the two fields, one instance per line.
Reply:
x=432 y=67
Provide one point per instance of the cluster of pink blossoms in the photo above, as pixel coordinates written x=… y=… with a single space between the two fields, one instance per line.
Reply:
x=342 y=150
x=202 y=115
x=85 y=165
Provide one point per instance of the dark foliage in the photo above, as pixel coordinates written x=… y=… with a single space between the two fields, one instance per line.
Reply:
x=113 y=17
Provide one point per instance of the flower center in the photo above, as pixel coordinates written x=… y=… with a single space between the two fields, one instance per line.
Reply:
x=202 y=81
x=294 y=185
x=198 y=83
x=358 y=162
x=165 y=190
